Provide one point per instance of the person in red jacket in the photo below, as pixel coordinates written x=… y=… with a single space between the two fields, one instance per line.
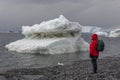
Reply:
x=94 y=53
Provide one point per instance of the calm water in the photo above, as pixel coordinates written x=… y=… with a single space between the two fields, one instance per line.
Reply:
x=9 y=60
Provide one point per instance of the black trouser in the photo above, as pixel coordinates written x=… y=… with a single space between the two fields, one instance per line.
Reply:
x=94 y=63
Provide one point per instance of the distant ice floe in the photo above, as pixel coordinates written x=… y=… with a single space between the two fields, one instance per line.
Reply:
x=60 y=64
x=50 y=37
x=115 y=33
x=90 y=29
x=102 y=34
x=94 y=29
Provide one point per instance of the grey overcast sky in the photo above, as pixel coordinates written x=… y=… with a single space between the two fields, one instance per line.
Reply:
x=16 y=13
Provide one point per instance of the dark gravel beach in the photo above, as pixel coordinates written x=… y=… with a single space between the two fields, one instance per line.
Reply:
x=108 y=69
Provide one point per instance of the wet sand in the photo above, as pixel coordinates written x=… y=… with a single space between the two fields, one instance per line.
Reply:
x=108 y=69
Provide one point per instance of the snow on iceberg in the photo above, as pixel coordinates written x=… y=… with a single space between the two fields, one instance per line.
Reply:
x=115 y=33
x=51 y=37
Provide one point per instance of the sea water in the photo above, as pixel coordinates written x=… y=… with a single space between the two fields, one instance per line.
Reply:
x=13 y=60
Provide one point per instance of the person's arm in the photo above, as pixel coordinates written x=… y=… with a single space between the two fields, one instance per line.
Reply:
x=92 y=48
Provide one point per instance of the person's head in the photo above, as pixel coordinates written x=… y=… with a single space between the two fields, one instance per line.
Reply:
x=94 y=37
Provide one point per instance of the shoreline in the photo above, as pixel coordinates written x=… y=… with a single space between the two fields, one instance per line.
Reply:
x=108 y=69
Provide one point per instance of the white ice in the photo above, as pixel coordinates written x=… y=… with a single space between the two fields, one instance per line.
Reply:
x=90 y=29
x=115 y=33
x=102 y=33
x=50 y=37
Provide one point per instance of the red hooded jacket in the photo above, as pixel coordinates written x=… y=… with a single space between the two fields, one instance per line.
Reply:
x=93 y=46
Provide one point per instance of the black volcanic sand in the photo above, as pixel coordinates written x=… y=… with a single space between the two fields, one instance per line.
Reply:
x=108 y=69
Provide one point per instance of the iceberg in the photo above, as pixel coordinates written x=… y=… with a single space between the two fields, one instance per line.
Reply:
x=50 y=37
x=102 y=34
x=90 y=29
x=86 y=29
x=94 y=30
x=115 y=33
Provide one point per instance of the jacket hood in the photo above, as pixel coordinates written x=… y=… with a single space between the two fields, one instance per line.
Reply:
x=94 y=37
